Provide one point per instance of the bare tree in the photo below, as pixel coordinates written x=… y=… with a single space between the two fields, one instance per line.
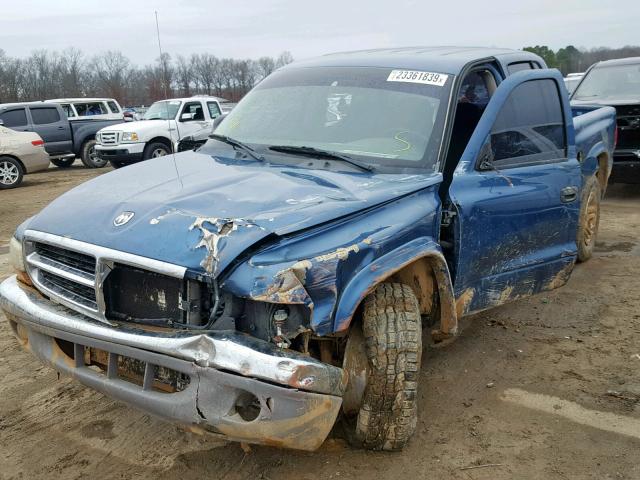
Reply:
x=111 y=71
x=46 y=74
x=184 y=75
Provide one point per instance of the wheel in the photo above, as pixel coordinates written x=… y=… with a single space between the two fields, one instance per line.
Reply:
x=63 y=162
x=10 y=173
x=155 y=150
x=392 y=339
x=116 y=164
x=589 y=219
x=89 y=156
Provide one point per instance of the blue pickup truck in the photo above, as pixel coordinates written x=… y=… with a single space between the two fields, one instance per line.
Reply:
x=279 y=277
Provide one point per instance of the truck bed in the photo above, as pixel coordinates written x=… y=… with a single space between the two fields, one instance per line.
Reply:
x=594 y=133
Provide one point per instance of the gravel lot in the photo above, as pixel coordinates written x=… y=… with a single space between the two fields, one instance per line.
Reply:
x=546 y=387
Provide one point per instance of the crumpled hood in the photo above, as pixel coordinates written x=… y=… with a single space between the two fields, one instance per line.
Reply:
x=202 y=211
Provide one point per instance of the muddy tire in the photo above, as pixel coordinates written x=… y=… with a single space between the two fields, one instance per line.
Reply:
x=155 y=150
x=10 y=173
x=89 y=157
x=393 y=344
x=63 y=162
x=589 y=219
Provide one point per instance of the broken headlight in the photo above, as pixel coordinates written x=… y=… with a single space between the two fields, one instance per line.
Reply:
x=16 y=259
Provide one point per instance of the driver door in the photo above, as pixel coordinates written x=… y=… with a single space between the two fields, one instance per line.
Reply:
x=193 y=119
x=514 y=196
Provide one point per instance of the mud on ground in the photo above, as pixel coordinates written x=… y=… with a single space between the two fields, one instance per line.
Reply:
x=546 y=387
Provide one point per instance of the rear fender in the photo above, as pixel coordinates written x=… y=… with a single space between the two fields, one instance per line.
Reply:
x=395 y=264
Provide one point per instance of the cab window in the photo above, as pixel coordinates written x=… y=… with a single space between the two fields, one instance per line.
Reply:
x=68 y=110
x=113 y=106
x=214 y=109
x=530 y=126
x=87 y=109
x=195 y=109
x=14 y=118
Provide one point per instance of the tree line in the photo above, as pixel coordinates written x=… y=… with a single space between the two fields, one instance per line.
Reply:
x=573 y=60
x=70 y=73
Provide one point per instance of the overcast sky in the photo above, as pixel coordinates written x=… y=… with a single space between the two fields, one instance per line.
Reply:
x=243 y=28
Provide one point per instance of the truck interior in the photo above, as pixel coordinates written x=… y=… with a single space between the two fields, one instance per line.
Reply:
x=475 y=91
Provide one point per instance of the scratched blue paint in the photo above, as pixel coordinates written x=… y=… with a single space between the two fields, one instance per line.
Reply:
x=340 y=231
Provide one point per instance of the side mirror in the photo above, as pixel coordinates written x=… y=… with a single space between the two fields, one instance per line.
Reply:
x=218 y=120
x=185 y=117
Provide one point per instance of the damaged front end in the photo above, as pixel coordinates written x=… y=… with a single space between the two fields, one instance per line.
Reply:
x=222 y=383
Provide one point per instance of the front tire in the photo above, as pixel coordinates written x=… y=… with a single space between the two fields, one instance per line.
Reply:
x=10 y=173
x=89 y=156
x=392 y=330
x=589 y=219
x=63 y=162
x=155 y=150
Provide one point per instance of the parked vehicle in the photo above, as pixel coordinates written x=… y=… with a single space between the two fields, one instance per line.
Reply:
x=90 y=108
x=20 y=153
x=163 y=125
x=199 y=138
x=617 y=83
x=63 y=139
x=281 y=274
x=572 y=80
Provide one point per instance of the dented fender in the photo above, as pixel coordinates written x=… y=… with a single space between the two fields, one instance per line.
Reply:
x=318 y=267
x=385 y=266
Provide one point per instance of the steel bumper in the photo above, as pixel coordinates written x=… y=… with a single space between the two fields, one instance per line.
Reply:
x=296 y=399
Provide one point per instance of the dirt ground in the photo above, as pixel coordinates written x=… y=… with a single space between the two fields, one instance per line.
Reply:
x=546 y=387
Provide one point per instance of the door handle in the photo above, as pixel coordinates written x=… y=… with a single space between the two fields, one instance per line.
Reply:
x=60 y=128
x=568 y=194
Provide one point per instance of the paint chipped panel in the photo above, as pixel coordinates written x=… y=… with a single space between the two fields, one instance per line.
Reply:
x=214 y=232
x=499 y=289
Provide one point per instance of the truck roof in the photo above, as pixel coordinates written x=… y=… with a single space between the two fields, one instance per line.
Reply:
x=80 y=99
x=196 y=97
x=442 y=59
x=619 y=61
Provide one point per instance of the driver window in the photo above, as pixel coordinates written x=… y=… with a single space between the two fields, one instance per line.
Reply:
x=195 y=109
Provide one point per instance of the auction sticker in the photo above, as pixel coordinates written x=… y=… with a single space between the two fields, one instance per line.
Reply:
x=415 y=76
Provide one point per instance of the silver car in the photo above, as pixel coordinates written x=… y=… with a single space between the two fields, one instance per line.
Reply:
x=20 y=153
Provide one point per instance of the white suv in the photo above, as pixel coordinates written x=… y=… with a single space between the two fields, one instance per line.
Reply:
x=93 y=108
x=157 y=134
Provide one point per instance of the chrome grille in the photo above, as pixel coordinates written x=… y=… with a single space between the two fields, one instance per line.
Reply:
x=64 y=273
x=109 y=138
x=73 y=273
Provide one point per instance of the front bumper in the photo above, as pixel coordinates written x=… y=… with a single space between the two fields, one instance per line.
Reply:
x=295 y=406
x=124 y=153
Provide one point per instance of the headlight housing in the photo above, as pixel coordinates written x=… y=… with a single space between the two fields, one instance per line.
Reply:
x=129 y=137
x=17 y=260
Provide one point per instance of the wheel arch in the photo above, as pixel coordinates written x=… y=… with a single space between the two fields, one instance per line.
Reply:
x=419 y=264
x=13 y=157
x=160 y=139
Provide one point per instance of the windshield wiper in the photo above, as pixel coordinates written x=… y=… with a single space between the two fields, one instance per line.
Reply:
x=237 y=144
x=317 y=152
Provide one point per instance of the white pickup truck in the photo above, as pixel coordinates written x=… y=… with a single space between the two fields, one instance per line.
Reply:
x=163 y=125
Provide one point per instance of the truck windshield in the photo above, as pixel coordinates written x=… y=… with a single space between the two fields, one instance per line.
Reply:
x=610 y=82
x=373 y=115
x=164 y=110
